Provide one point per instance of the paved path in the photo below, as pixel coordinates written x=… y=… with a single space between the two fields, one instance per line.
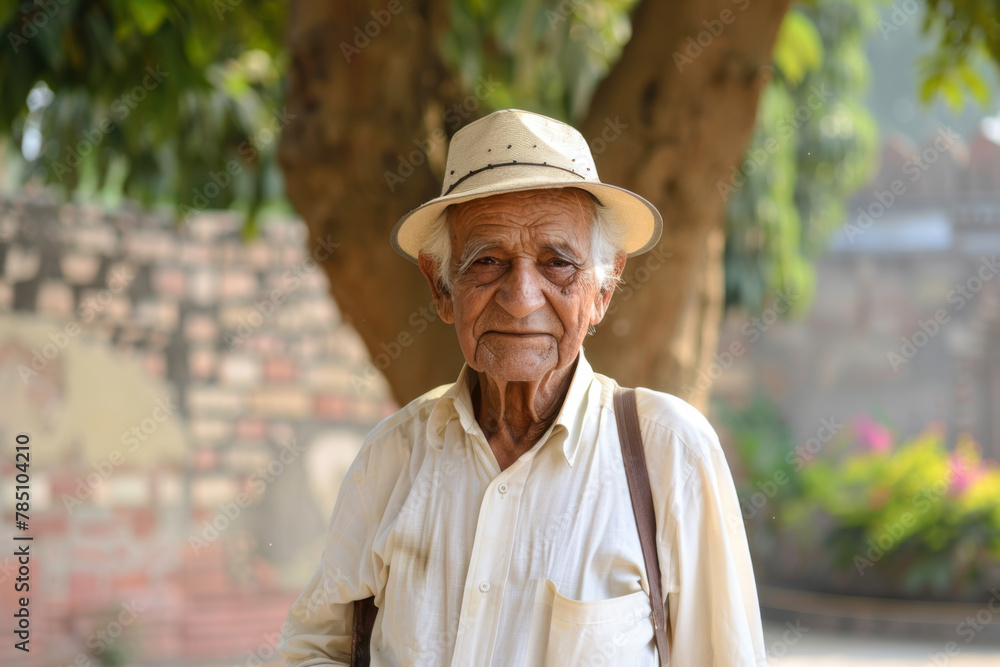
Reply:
x=819 y=648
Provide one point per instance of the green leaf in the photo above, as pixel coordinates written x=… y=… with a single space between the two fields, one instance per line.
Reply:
x=929 y=87
x=148 y=14
x=975 y=83
x=799 y=47
x=952 y=94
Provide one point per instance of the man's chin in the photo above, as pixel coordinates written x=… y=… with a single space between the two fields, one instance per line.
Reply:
x=516 y=367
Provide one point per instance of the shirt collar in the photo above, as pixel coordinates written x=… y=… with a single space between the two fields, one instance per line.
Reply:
x=456 y=403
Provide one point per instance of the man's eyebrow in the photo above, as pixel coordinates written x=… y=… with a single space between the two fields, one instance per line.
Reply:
x=472 y=251
x=563 y=251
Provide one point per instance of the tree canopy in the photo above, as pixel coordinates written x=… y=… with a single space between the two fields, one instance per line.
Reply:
x=181 y=103
x=163 y=102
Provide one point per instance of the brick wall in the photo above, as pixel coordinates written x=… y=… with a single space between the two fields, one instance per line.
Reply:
x=190 y=401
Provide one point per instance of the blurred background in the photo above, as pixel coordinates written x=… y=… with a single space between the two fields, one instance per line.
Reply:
x=201 y=316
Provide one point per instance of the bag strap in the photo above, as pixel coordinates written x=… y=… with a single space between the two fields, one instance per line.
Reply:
x=627 y=416
x=365 y=612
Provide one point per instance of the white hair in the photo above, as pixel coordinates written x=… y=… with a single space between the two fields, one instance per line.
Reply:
x=606 y=240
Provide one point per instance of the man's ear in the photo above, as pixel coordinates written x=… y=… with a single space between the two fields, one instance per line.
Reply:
x=442 y=297
x=603 y=298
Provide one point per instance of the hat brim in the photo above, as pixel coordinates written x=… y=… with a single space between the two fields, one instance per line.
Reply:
x=641 y=221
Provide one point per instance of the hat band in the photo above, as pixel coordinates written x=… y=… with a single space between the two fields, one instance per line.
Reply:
x=508 y=164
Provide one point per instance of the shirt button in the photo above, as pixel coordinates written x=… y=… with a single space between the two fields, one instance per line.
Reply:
x=484 y=586
x=503 y=487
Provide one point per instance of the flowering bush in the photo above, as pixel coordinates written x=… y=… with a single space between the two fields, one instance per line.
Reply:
x=869 y=515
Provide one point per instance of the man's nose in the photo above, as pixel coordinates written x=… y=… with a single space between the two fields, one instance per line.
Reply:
x=521 y=292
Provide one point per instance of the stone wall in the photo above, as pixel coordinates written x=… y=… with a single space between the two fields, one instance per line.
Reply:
x=904 y=324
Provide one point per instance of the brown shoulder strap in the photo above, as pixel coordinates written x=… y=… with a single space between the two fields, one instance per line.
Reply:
x=365 y=612
x=642 y=505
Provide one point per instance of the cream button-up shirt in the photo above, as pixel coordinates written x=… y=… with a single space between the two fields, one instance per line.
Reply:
x=538 y=564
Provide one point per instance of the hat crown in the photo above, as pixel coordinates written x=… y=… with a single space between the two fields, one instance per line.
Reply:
x=514 y=137
x=519 y=151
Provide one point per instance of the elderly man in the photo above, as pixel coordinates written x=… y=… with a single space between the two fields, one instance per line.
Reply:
x=492 y=519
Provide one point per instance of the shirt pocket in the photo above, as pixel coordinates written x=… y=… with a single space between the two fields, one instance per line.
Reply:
x=616 y=631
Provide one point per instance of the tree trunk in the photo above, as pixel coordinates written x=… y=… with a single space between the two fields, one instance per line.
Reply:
x=363 y=103
x=370 y=116
x=685 y=91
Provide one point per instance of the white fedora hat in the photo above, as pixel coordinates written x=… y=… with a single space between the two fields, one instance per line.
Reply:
x=513 y=151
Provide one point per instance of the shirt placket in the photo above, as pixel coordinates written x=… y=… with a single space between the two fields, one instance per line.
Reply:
x=489 y=563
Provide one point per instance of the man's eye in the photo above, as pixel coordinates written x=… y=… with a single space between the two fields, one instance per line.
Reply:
x=559 y=264
x=488 y=261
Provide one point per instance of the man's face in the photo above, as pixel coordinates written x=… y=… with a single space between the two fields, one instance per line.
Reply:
x=523 y=291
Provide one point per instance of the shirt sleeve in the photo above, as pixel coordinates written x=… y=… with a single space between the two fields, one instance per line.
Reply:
x=319 y=625
x=711 y=593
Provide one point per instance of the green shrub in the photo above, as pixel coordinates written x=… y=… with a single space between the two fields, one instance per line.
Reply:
x=868 y=515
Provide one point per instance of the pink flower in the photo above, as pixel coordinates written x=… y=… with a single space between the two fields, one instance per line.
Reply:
x=872 y=436
x=963 y=475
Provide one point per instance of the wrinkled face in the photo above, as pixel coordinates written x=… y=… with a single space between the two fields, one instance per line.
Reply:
x=523 y=291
